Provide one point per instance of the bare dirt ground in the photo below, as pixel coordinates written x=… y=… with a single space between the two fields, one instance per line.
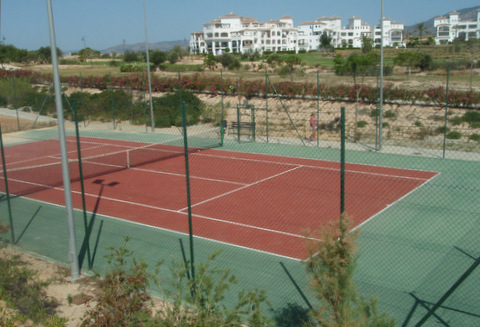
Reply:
x=74 y=298
x=81 y=292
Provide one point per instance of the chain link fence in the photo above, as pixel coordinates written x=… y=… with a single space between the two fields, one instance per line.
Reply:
x=259 y=193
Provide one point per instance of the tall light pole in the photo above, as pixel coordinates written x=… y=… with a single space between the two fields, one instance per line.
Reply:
x=148 y=66
x=72 y=248
x=380 y=120
x=1 y=21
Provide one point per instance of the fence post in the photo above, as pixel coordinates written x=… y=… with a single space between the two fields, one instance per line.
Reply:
x=111 y=98
x=7 y=193
x=342 y=162
x=15 y=102
x=446 y=115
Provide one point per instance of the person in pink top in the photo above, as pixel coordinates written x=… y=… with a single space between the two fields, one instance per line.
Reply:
x=313 y=127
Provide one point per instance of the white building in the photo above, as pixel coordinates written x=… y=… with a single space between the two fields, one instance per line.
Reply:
x=350 y=35
x=451 y=27
x=392 y=33
x=309 y=32
x=242 y=34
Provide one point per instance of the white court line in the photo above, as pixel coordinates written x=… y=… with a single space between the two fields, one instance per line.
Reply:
x=241 y=188
x=318 y=167
x=396 y=201
x=165 y=209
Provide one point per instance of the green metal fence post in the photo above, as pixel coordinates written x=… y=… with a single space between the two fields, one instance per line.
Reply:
x=144 y=102
x=342 y=162
x=111 y=98
x=223 y=109
x=318 y=106
x=7 y=193
x=266 y=102
x=15 y=102
x=446 y=115
x=187 y=176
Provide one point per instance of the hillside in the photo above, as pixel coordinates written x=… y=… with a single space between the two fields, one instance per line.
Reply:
x=465 y=14
x=163 y=46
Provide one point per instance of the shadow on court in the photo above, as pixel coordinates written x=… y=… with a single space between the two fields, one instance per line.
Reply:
x=89 y=224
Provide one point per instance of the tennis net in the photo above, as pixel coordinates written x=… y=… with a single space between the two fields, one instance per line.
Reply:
x=100 y=157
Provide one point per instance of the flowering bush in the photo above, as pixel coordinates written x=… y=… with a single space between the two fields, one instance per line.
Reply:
x=251 y=88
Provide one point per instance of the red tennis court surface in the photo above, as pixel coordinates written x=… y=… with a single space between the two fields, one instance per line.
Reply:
x=261 y=202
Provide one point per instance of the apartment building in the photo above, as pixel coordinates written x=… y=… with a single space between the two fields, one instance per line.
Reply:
x=451 y=27
x=242 y=34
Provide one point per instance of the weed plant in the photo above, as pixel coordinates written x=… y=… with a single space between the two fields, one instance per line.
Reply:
x=330 y=268
x=195 y=301
x=22 y=291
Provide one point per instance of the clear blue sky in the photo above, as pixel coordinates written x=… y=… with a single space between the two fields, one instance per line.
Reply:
x=106 y=23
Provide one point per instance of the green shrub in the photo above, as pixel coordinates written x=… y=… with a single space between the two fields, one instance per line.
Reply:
x=454 y=135
x=390 y=114
x=361 y=124
x=472 y=118
x=457 y=120
x=330 y=268
x=167 y=110
x=441 y=130
x=418 y=123
x=135 y=67
x=21 y=290
x=474 y=137
x=123 y=301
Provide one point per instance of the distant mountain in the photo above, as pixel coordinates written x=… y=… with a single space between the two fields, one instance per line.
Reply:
x=464 y=14
x=164 y=46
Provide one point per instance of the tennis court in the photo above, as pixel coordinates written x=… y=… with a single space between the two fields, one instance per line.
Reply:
x=266 y=203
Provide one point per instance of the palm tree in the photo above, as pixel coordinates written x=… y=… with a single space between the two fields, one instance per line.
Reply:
x=420 y=27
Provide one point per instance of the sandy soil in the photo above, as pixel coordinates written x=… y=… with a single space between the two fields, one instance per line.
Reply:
x=74 y=298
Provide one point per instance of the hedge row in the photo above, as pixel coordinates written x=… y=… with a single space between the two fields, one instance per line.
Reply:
x=252 y=88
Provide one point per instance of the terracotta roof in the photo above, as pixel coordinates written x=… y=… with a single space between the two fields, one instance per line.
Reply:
x=231 y=15
x=215 y=21
x=249 y=20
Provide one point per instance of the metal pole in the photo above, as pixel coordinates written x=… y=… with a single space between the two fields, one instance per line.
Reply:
x=148 y=66
x=15 y=101
x=318 y=106
x=189 y=203
x=342 y=162
x=266 y=102
x=223 y=109
x=380 y=118
x=7 y=193
x=446 y=116
x=111 y=101
x=72 y=248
